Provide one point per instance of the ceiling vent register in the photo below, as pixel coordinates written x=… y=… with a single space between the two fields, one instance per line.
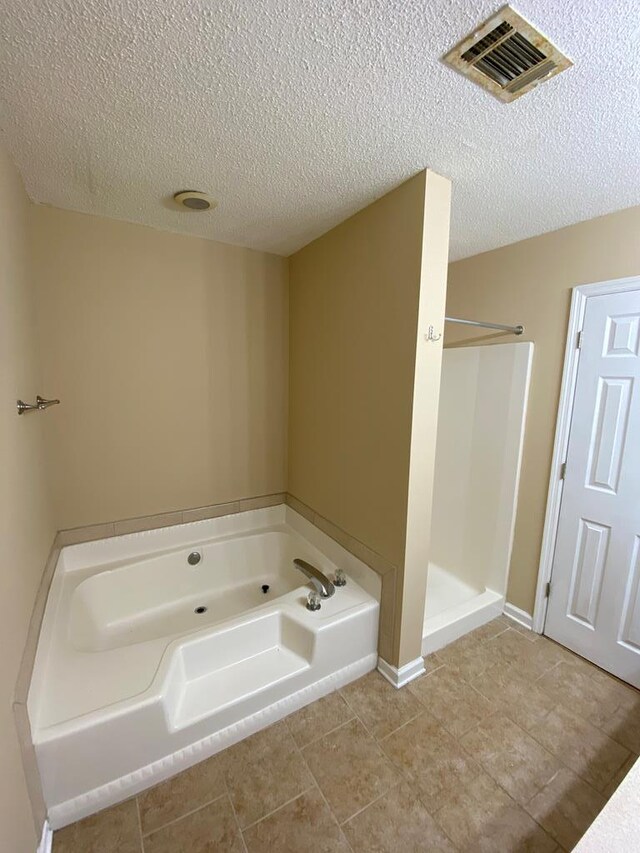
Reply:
x=507 y=56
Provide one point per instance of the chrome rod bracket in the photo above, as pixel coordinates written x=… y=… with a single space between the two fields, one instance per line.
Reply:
x=26 y=407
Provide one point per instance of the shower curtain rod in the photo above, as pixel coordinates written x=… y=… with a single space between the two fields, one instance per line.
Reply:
x=517 y=330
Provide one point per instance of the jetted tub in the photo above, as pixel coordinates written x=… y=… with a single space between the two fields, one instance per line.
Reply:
x=147 y=664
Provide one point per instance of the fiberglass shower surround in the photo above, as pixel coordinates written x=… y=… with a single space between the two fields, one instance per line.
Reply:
x=483 y=399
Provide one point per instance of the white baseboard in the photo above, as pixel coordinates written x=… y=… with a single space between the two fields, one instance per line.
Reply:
x=46 y=841
x=402 y=676
x=519 y=616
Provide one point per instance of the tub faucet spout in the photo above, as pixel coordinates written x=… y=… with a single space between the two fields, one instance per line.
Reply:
x=319 y=580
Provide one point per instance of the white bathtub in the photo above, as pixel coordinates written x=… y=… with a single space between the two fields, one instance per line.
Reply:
x=131 y=684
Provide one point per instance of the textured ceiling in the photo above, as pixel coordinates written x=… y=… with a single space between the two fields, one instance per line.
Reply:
x=294 y=114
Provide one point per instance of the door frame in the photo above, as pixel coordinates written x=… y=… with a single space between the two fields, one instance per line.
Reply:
x=579 y=297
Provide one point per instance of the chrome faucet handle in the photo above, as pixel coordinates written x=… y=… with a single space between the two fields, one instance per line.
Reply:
x=313 y=601
x=44 y=404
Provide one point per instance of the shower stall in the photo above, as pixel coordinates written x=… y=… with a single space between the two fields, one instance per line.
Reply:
x=483 y=400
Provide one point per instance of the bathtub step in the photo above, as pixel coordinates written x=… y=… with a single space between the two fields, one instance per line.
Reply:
x=214 y=673
x=218 y=690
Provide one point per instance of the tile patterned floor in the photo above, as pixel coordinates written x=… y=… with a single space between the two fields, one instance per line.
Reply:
x=508 y=743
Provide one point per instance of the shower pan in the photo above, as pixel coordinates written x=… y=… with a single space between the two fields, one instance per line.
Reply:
x=483 y=401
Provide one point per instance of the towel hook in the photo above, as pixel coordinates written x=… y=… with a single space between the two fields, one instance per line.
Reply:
x=430 y=336
x=38 y=406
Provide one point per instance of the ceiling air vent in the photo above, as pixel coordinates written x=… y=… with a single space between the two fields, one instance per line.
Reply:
x=507 y=56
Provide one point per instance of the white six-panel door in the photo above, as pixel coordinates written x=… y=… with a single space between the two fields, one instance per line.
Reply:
x=594 y=603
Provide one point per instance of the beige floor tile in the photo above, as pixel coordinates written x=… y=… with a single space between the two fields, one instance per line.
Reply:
x=627 y=696
x=491 y=629
x=181 y=794
x=510 y=756
x=510 y=645
x=263 y=772
x=574 y=685
x=566 y=807
x=624 y=728
x=380 y=706
x=582 y=747
x=113 y=830
x=397 y=821
x=319 y=718
x=532 y=659
x=431 y=758
x=480 y=816
x=453 y=702
x=624 y=725
x=432 y=662
x=527 y=633
x=350 y=769
x=257 y=746
x=467 y=641
x=305 y=824
x=472 y=662
x=553 y=653
x=518 y=696
x=617 y=778
x=469 y=657
x=212 y=829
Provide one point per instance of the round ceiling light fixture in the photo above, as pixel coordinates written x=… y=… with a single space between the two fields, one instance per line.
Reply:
x=194 y=200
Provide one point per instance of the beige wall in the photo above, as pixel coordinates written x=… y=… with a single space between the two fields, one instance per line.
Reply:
x=352 y=337
x=169 y=354
x=26 y=523
x=530 y=283
x=354 y=301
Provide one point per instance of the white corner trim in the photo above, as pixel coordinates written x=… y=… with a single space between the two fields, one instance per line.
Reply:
x=519 y=616
x=402 y=676
x=563 y=422
x=579 y=298
x=46 y=840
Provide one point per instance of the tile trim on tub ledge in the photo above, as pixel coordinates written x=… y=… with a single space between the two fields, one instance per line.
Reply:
x=91 y=532
x=387 y=571
x=21 y=690
x=374 y=560
x=106 y=530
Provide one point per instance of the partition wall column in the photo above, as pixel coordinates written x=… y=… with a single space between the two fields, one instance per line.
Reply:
x=363 y=386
